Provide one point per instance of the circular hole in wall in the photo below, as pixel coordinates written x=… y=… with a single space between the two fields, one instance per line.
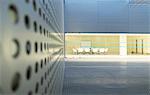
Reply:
x=45 y=90
x=45 y=76
x=46 y=6
x=41 y=47
x=37 y=88
x=40 y=29
x=36 y=67
x=43 y=16
x=35 y=26
x=36 y=47
x=34 y=5
x=30 y=93
x=16 y=82
x=41 y=64
x=47 y=33
x=44 y=46
x=45 y=61
x=13 y=14
x=27 y=21
x=28 y=47
x=15 y=48
x=43 y=1
x=44 y=31
x=28 y=72
x=41 y=80
x=27 y=1
x=40 y=12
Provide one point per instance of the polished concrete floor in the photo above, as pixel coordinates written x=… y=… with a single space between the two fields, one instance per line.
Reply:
x=106 y=78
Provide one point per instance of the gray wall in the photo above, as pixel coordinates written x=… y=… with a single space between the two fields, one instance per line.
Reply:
x=31 y=47
x=106 y=16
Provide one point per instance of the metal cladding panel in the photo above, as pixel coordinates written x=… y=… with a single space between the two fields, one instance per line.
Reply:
x=107 y=16
x=31 y=47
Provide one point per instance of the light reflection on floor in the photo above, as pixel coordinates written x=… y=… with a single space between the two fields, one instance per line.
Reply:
x=106 y=78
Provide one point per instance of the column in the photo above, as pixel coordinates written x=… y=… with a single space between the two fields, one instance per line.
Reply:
x=123 y=45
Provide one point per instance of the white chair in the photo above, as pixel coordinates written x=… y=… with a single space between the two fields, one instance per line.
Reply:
x=95 y=50
x=106 y=50
x=74 y=51
x=102 y=50
x=80 y=50
x=87 y=50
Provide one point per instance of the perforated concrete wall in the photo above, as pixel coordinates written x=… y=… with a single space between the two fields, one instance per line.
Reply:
x=31 y=47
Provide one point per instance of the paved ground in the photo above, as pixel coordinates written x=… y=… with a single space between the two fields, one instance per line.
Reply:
x=106 y=78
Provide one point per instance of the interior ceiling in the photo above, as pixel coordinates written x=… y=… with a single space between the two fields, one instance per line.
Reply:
x=106 y=16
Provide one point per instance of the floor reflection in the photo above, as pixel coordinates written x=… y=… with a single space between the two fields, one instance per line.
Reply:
x=106 y=78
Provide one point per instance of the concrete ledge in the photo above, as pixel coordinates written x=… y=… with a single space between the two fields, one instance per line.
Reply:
x=108 y=58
